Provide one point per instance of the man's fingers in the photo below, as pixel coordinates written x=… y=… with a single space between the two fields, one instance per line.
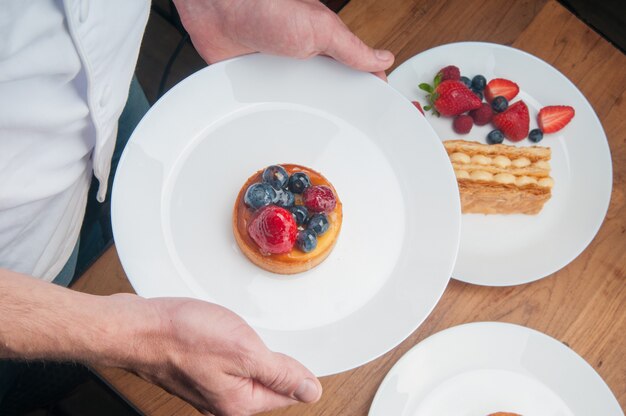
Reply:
x=287 y=377
x=264 y=399
x=346 y=47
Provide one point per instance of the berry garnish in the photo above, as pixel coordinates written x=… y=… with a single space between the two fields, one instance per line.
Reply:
x=306 y=240
x=500 y=87
x=318 y=223
x=495 y=137
x=499 y=104
x=273 y=229
x=285 y=198
x=466 y=81
x=418 y=106
x=450 y=98
x=513 y=122
x=535 y=135
x=300 y=213
x=482 y=115
x=478 y=83
x=462 y=124
x=450 y=72
x=298 y=182
x=259 y=195
x=553 y=118
x=276 y=176
x=319 y=198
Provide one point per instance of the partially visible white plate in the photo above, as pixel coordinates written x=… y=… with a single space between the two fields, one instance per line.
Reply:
x=499 y=250
x=179 y=176
x=481 y=368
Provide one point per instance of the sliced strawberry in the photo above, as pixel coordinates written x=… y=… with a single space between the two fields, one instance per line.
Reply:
x=501 y=87
x=418 y=106
x=514 y=122
x=451 y=98
x=273 y=229
x=554 y=117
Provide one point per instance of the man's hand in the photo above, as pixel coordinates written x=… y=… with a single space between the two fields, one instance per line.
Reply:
x=210 y=357
x=199 y=351
x=222 y=29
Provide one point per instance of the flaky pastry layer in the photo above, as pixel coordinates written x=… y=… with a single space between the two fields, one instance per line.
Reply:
x=501 y=179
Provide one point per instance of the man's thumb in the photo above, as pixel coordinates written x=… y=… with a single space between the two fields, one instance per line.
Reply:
x=288 y=377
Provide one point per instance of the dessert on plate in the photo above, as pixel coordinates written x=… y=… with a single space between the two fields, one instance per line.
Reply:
x=287 y=218
x=501 y=179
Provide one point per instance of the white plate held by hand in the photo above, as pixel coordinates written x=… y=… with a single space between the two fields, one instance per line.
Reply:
x=179 y=177
x=504 y=250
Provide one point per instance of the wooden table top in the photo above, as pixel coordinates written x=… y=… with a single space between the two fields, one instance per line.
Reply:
x=583 y=305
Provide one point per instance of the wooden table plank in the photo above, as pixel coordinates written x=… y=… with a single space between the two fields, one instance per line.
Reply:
x=582 y=305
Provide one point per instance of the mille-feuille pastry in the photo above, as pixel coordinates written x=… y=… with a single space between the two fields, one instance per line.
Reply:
x=287 y=218
x=501 y=179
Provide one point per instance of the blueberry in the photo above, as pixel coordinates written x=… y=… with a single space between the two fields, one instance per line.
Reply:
x=259 y=195
x=318 y=223
x=300 y=213
x=479 y=94
x=495 y=137
x=276 y=176
x=499 y=104
x=535 y=135
x=479 y=82
x=285 y=198
x=466 y=81
x=298 y=182
x=306 y=240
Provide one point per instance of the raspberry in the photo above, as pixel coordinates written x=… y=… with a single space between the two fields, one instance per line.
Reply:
x=319 y=198
x=273 y=229
x=462 y=124
x=450 y=72
x=482 y=115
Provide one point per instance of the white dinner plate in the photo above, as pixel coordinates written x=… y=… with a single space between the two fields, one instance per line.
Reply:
x=481 y=368
x=504 y=250
x=181 y=172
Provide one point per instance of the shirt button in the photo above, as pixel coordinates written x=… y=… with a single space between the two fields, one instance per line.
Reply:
x=84 y=11
x=104 y=97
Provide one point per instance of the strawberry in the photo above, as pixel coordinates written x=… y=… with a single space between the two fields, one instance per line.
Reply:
x=514 y=122
x=501 y=87
x=273 y=229
x=418 y=106
x=319 y=198
x=450 y=98
x=554 y=117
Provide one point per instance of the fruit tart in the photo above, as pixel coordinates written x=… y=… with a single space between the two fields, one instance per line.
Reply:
x=287 y=218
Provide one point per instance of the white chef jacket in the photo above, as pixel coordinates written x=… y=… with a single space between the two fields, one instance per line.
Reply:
x=65 y=71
